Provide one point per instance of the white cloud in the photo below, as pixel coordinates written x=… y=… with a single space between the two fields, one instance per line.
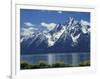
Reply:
x=28 y=24
x=44 y=24
x=32 y=28
x=59 y=12
x=28 y=31
x=49 y=26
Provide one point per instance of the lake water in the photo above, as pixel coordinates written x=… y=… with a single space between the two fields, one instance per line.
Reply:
x=67 y=58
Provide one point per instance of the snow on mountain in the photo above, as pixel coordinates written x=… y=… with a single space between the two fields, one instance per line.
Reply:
x=27 y=33
x=49 y=40
x=85 y=26
x=83 y=22
x=55 y=36
x=75 y=39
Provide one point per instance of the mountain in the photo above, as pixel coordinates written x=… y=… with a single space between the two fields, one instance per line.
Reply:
x=70 y=36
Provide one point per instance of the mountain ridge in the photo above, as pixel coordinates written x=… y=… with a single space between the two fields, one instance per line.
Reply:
x=72 y=36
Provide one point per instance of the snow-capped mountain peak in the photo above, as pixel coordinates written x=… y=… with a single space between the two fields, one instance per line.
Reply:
x=75 y=39
x=52 y=39
x=85 y=26
x=83 y=22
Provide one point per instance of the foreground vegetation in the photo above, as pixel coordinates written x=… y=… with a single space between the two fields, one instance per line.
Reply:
x=43 y=64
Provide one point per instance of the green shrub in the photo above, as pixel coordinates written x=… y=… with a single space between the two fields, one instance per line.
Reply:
x=59 y=64
x=85 y=63
x=24 y=65
x=43 y=64
x=33 y=66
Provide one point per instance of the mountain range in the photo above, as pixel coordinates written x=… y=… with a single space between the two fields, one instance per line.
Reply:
x=70 y=36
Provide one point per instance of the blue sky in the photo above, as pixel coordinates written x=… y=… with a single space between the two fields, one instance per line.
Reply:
x=36 y=17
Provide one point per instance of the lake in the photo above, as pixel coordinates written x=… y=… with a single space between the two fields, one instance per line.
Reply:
x=68 y=58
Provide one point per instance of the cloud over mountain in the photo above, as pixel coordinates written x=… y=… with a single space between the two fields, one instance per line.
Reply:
x=49 y=26
x=28 y=24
